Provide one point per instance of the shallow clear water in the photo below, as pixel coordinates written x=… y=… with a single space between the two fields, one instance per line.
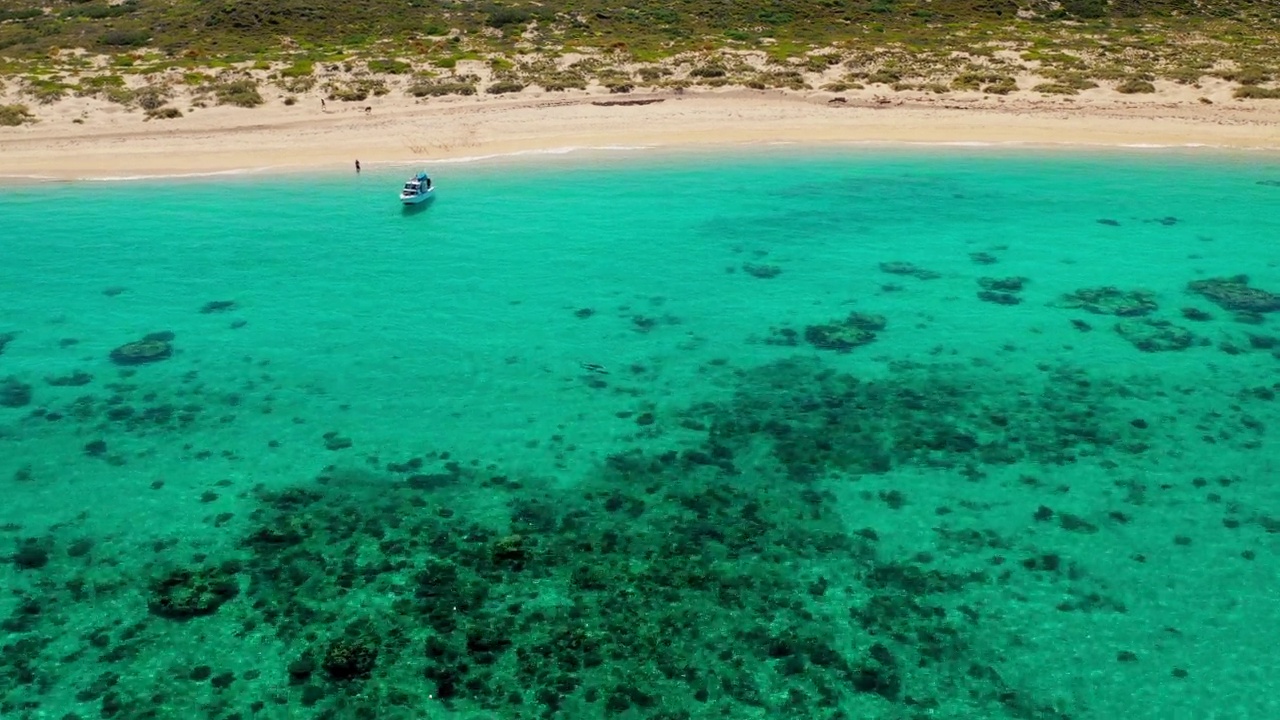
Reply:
x=574 y=441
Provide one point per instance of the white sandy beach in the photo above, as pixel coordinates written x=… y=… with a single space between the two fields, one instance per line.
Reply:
x=110 y=141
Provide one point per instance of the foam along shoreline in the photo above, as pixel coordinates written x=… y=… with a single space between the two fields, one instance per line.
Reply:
x=109 y=142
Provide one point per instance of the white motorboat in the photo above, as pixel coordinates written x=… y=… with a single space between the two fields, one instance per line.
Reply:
x=418 y=189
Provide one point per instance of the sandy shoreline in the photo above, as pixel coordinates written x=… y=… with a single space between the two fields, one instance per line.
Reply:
x=110 y=142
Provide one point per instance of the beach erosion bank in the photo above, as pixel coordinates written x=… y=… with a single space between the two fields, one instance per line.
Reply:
x=79 y=137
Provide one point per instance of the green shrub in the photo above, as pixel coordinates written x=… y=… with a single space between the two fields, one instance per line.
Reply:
x=427 y=88
x=1053 y=88
x=1253 y=92
x=46 y=91
x=1073 y=80
x=119 y=95
x=1086 y=9
x=818 y=63
x=25 y=14
x=559 y=82
x=164 y=113
x=348 y=93
x=884 y=77
x=501 y=17
x=357 y=90
x=652 y=73
x=300 y=68
x=298 y=84
x=975 y=79
x=125 y=38
x=13 y=115
x=389 y=67
x=1246 y=75
x=1134 y=86
x=504 y=86
x=100 y=11
x=708 y=71
x=151 y=97
x=241 y=93
x=790 y=79
x=1003 y=86
x=1185 y=76
x=1115 y=73
x=97 y=84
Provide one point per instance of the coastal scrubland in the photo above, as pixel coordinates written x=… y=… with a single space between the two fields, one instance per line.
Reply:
x=161 y=59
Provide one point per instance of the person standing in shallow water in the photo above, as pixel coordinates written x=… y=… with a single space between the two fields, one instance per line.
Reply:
x=357 y=167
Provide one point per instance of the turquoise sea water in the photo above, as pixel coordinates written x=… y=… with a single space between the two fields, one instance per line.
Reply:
x=793 y=433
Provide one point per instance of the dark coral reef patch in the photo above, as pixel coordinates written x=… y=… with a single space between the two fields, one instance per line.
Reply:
x=1112 y=301
x=152 y=348
x=1236 y=295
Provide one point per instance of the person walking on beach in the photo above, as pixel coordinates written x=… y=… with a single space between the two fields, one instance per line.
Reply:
x=322 y=103
x=357 y=167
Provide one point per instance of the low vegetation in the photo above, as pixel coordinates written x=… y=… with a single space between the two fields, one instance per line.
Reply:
x=1134 y=86
x=1253 y=92
x=164 y=113
x=241 y=93
x=14 y=115
x=435 y=88
x=231 y=52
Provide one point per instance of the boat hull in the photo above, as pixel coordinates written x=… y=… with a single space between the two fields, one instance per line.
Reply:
x=417 y=199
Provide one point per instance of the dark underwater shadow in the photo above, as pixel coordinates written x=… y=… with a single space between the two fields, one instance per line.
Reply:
x=411 y=210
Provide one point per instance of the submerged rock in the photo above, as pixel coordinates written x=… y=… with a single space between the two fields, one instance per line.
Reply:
x=1234 y=294
x=14 y=393
x=844 y=335
x=1001 y=291
x=1155 y=335
x=999 y=298
x=152 y=348
x=1112 y=301
x=350 y=659
x=905 y=268
x=866 y=321
x=217 y=306
x=763 y=272
x=837 y=336
x=1007 y=284
x=75 y=379
x=184 y=594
